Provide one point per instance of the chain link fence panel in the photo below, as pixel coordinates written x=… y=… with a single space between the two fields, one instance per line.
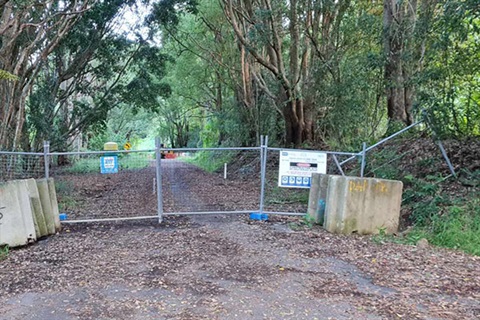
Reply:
x=21 y=166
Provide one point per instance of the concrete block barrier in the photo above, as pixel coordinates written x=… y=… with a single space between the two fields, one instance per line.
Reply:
x=37 y=207
x=317 y=197
x=26 y=208
x=54 y=202
x=13 y=229
x=362 y=205
x=28 y=211
x=42 y=186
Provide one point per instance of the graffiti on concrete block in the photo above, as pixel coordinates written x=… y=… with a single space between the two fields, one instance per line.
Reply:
x=1 y=214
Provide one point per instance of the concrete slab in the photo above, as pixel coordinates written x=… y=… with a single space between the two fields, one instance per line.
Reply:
x=26 y=208
x=37 y=207
x=362 y=205
x=42 y=185
x=53 y=199
x=12 y=226
x=317 y=197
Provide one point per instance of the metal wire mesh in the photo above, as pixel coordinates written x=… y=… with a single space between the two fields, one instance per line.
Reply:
x=349 y=168
x=84 y=192
x=96 y=185
x=21 y=166
x=294 y=198
x=404 y=153
x=199 y=181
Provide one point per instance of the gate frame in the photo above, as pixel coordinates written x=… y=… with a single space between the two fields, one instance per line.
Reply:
x=263 y=149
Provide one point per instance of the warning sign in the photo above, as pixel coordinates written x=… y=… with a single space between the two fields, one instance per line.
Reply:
x=127 y=146
x=296 y=167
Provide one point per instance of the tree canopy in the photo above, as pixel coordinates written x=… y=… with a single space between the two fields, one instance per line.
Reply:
x=308 y=73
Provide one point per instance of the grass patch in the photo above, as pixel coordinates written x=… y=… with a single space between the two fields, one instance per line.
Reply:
x=458 y=228
x=211 y=161
x=125 y=162
x=84 y=166
x=135 y=161
x=445 y=219
x=4 y=249
x=441 y=219
x=306 y=222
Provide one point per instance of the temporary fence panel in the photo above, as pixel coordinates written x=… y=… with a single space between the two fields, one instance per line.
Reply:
x=196 y=181
x=18 y=165
x=291 y=195
x=151 y=183
x=99 y=185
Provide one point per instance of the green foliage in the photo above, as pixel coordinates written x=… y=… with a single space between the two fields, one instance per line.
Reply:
x=125 y=124
x=277 y=195
x=305 y=222
x=450 y=84
x=452 y=223
x=309 y=221
x=434 y=214
x=457 y=228
x=210 y=135
x=4 y=249
x=89 y=165
x=4 y=75
x=167 y=12
x=212 y=161
x=125 y=162
x=351 y=83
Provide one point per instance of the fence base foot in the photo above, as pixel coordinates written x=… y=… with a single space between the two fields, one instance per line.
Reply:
x=258 y=216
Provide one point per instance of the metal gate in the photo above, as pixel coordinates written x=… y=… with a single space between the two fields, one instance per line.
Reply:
x=150 y=184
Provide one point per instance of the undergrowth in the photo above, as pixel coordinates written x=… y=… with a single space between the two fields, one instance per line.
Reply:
x=211 y=161
x=445 y=219
x=4 y=249
x=446 y=222
x=125 y=161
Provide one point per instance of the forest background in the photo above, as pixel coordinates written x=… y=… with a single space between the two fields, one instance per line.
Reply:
x=316 y=73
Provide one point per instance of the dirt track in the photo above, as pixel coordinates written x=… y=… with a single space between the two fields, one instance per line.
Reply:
x=227 y=267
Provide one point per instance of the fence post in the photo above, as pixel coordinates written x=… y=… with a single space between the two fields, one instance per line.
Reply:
x=439 y=143
x=46 y=160
x=261 y=154
x=364 y=151
x=263 y=158
x=158 y=170
x=447 y=159
x=338 y=164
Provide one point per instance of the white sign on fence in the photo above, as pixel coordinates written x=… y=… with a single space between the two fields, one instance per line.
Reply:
x=296 y=168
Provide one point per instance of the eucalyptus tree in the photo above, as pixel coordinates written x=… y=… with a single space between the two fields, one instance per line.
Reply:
x=406 y=27
x=94 y=69
x=204 y=76
x=281 y=42
x=77 y=78
x=30 y=30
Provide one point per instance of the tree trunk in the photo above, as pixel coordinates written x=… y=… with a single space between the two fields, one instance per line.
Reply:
x=403 y=37
x=294 y=125
x=393 y=45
